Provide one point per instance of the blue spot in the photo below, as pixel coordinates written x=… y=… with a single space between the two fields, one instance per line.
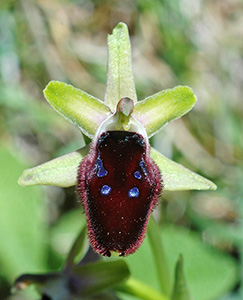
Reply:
x=137 y=175
x=101 y=170
x=105 y=190
x=134 y=192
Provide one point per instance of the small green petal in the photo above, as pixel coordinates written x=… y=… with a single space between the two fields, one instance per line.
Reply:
x=178 y=178
x=61 y=171
x=120 y=82
x=180 y=290
x=80 y=108
x=157 y=110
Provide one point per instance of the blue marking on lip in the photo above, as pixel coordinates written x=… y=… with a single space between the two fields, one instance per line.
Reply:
x=137 y=175
x=105 y=190
x=133 y=192
x=101 y=170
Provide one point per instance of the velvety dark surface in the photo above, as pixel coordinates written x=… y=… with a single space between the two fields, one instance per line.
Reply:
x=120 y=184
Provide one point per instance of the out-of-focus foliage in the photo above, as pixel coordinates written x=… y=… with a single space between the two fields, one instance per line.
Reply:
x=197 y=43
x=21 y=214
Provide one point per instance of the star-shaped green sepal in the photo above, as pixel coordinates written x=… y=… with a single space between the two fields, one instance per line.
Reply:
x=89 y=113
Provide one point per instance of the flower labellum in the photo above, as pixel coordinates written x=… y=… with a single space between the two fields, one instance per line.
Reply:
x=119 y=184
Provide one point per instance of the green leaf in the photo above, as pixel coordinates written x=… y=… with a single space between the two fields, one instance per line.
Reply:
x=157 y=110
x=209 y=273
x=180 y=290
x=101 y=275
x=61 y=171
x=160 y=261
x=22 y=231
x=178 y=178
x=120 y=82
x=80 y=108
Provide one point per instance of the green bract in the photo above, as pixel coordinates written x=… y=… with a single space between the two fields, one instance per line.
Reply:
x=180 y=290
x=88 y=112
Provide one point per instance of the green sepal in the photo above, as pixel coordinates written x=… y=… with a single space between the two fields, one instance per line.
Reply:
x=178 y=178
x=180 y=290
x=80 y=108
x=120 y=82
x=157 y=110
x=100 y=276
x=61 y=171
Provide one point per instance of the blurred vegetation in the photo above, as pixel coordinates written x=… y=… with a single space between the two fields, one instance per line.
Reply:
x=196 y=43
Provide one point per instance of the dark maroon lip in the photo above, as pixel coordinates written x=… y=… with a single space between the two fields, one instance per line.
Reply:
x=119 y=185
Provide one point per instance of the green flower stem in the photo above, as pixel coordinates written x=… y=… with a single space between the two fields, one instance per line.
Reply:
x=159 y=256
x=77 y=248
x=140 y=290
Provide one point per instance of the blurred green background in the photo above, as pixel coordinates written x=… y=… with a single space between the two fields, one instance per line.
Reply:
x=192 y=42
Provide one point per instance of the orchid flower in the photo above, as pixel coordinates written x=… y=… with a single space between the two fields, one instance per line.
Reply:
x=119 y=177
